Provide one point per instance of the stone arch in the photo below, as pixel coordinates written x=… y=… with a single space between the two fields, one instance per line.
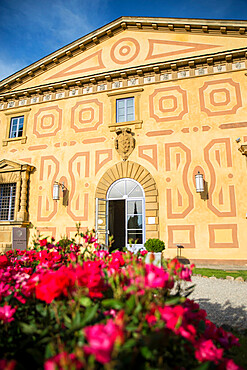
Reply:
x=137 y=172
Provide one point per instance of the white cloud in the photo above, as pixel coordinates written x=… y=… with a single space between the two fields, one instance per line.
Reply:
x=7 y=68
x=60 y=22
x=31 y=30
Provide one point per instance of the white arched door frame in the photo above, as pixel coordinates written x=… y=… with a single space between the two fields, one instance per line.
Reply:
x=132 y=193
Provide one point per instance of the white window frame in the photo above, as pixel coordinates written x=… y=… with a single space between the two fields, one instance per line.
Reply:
x=125 y=196
x=125 y=101
x=11 y=132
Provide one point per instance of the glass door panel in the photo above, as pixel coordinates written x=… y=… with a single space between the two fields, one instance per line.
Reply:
x=134 y=207
x=127 y=215
x=134 y=222
x=101 y=224
x=134 y=238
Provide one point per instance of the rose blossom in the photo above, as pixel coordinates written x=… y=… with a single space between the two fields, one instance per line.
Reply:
x=173 y=316
x=207 y=351
x=229 y=364
x=43 y=242
x=157 y=277
x=6 y=313
x=101 y=339
x=4 y=262
x=53 y=284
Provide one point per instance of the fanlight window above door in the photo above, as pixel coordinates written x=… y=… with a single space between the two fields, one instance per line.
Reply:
x=125 y=188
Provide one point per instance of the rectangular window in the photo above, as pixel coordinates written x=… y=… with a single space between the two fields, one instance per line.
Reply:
x=125 y=110
x=7 y=201
x=16 y=127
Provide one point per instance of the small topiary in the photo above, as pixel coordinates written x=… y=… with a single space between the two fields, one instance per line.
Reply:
x=154 y=245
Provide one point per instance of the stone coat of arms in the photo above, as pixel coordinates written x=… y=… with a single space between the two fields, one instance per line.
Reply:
x=124 y=142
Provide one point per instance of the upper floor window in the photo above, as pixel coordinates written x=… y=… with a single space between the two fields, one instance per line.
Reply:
x=125 y=109
x=7 y=201
x=16 y=127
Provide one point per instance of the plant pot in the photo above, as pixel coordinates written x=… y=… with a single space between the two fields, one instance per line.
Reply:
x=156 y=256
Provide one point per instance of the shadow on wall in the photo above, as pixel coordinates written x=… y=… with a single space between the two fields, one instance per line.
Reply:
x=204 y=194
x=65 y=197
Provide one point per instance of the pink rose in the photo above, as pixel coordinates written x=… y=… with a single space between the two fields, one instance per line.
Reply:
x=43 y=242
x=101 y=339
x=173 y=316
x=157 y=277
x=54 y=283
x=6 y=313
x=4 y=262
x=207 y=351
x=230 y=365
x=143 y=253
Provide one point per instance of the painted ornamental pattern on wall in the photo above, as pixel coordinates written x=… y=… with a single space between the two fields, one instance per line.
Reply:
x=188 y=87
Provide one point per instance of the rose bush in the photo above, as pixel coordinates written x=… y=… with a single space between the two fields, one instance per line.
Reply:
x=67 y=307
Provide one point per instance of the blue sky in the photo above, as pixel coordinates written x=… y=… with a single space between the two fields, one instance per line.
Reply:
x=30 y=30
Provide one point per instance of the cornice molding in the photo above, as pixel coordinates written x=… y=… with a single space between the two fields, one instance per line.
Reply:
x=227 y=57
x=167 y=24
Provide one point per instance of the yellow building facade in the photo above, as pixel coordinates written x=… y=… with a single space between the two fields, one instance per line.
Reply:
x=121 y=121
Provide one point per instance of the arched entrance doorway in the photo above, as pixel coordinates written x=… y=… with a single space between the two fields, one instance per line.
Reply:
x=126 y=221
x=127 y=205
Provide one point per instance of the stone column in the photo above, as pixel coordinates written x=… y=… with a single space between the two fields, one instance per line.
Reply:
x=18 y=195
x=22 y=214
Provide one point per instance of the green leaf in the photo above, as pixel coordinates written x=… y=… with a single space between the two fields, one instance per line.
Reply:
x=129 y=344
x=112 y=303
x=130 y=304
x=138 y=308
x=204 y=366
x=131 y=327
x=27 y=328
x=67 y=321
x=85 y=302
x=173 y=301
x=146 y=353
x=49 y=351
x=89 y=314
x=40 y=308
x=76 y=322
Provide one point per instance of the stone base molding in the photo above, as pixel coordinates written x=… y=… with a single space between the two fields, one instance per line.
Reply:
x=219 y=262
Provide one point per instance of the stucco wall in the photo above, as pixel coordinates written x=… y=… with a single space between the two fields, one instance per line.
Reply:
x=189 y=122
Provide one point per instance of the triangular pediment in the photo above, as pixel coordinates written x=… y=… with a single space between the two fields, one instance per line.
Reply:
x=7 y=165
x=130 y=42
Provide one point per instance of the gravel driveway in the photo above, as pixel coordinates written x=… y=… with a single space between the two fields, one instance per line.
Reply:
x=225 y=301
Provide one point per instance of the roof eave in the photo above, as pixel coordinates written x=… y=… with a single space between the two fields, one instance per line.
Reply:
x=129 y=20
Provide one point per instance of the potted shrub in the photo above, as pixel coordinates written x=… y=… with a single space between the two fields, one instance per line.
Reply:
x=154 y=248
